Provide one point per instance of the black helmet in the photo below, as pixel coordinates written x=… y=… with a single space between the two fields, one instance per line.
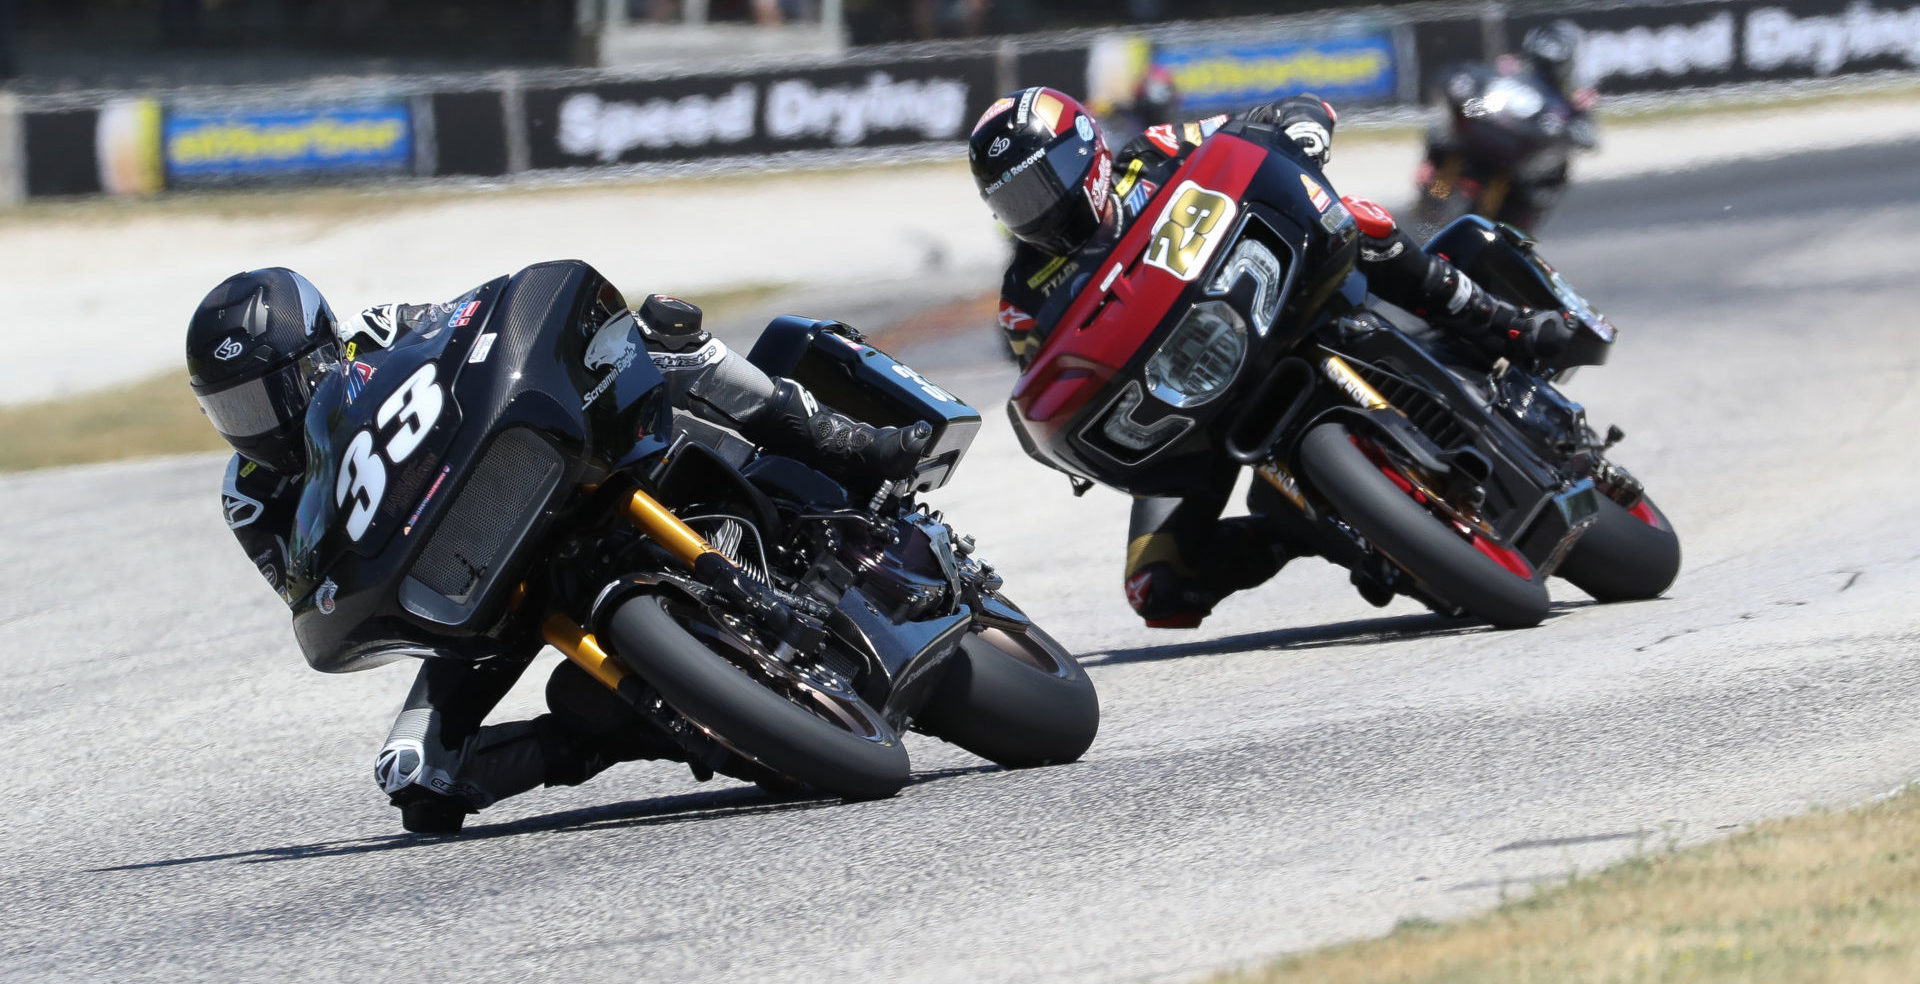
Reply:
x=256 y=347
x=1549 y=50
x=1041 y=163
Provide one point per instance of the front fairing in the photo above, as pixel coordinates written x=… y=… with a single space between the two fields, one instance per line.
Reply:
x=455 y=452
x=1096 y=402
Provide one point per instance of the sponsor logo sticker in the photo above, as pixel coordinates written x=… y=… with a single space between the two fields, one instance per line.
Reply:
x=464 y=315
x=998 y=147
x=228 y=349
x=1321 y=200
x=323 y=597
x=1084 y=127
x=414 y=519
x=481 y=347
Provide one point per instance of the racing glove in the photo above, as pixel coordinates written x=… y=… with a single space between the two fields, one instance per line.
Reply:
x=1306 y=119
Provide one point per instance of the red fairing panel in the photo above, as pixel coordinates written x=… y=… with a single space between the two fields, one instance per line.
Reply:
x=1086 y=350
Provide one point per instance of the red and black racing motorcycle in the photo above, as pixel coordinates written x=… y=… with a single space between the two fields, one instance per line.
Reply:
x=1231 y=322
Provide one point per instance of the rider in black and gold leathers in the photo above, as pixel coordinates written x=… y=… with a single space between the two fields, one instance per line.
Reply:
x=1042 y=165
x=256 y=349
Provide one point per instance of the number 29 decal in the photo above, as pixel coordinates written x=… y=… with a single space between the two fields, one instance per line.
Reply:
x=1189 y=229
x=416 y=405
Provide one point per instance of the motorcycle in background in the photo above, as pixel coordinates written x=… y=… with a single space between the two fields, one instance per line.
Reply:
x=1503 y=151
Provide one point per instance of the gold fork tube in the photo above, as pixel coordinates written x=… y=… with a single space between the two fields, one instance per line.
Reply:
x=666 y=529
x=1343 y=376
x=580 y=646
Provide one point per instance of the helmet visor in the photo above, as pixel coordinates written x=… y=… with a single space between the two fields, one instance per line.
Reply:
x=1019 y=200
x=261 y=405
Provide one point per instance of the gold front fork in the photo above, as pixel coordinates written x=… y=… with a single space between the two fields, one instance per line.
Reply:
x=577 y=643
x=580 y=646
x=1342 y=375
x=678 y=538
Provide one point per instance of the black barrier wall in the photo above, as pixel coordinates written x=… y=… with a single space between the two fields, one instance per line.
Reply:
x=62 y=156
x=499 y=123
x=470 y=133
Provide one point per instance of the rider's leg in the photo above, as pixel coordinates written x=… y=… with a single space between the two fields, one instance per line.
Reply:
x=1182 y=558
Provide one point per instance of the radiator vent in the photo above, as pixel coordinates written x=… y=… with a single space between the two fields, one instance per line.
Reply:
x=512 y=481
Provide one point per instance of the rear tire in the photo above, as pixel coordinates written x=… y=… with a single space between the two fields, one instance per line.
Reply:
x=1015 y=698
x=1626 y=556
x=1447 y=565
x=838 y=744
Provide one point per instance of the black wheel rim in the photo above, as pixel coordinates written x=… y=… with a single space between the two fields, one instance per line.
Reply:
x=820 y=692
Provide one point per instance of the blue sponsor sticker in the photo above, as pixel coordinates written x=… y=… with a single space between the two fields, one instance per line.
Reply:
x=1229 y=77
x=249 y=143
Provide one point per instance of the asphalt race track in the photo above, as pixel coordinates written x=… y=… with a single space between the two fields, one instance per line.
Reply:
x=184 y=799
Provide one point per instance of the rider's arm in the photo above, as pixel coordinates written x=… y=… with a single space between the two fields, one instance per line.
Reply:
x=716 y=384
x=1306 y=119
x=259 y=505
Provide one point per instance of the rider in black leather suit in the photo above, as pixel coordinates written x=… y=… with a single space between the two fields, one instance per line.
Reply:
x=1042 y=165
x=257 y=346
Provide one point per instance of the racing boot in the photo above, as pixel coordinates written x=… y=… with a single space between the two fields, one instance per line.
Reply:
x=1165 y=598
x=798 y=426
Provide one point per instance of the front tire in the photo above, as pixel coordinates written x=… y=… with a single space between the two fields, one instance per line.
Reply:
x=1018 y=699
x=1507 y=592
x=1628 y=555
x=831 y=741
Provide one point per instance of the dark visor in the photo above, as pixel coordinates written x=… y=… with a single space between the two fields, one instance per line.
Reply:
x=1024 y=198
x=261 y=405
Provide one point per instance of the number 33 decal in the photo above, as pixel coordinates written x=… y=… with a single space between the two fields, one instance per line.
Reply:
x=363 y=472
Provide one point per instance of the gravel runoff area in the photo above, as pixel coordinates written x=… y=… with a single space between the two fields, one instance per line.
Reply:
x=96 y=294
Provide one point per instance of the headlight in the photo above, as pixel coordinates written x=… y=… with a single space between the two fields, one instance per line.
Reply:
x=1253 y=258
x=1200 y=356
x=1122 y=429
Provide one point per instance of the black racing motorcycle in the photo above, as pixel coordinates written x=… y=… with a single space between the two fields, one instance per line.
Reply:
x=1503 y=151
x=1230 y=322
x=513 y=473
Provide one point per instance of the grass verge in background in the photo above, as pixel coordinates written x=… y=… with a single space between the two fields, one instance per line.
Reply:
x=133 y=420
x=1826 y=897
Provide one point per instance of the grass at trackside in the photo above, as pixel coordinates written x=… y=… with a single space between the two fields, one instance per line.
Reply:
x=1826 y=897
x=151 y=417
x=158 y=415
